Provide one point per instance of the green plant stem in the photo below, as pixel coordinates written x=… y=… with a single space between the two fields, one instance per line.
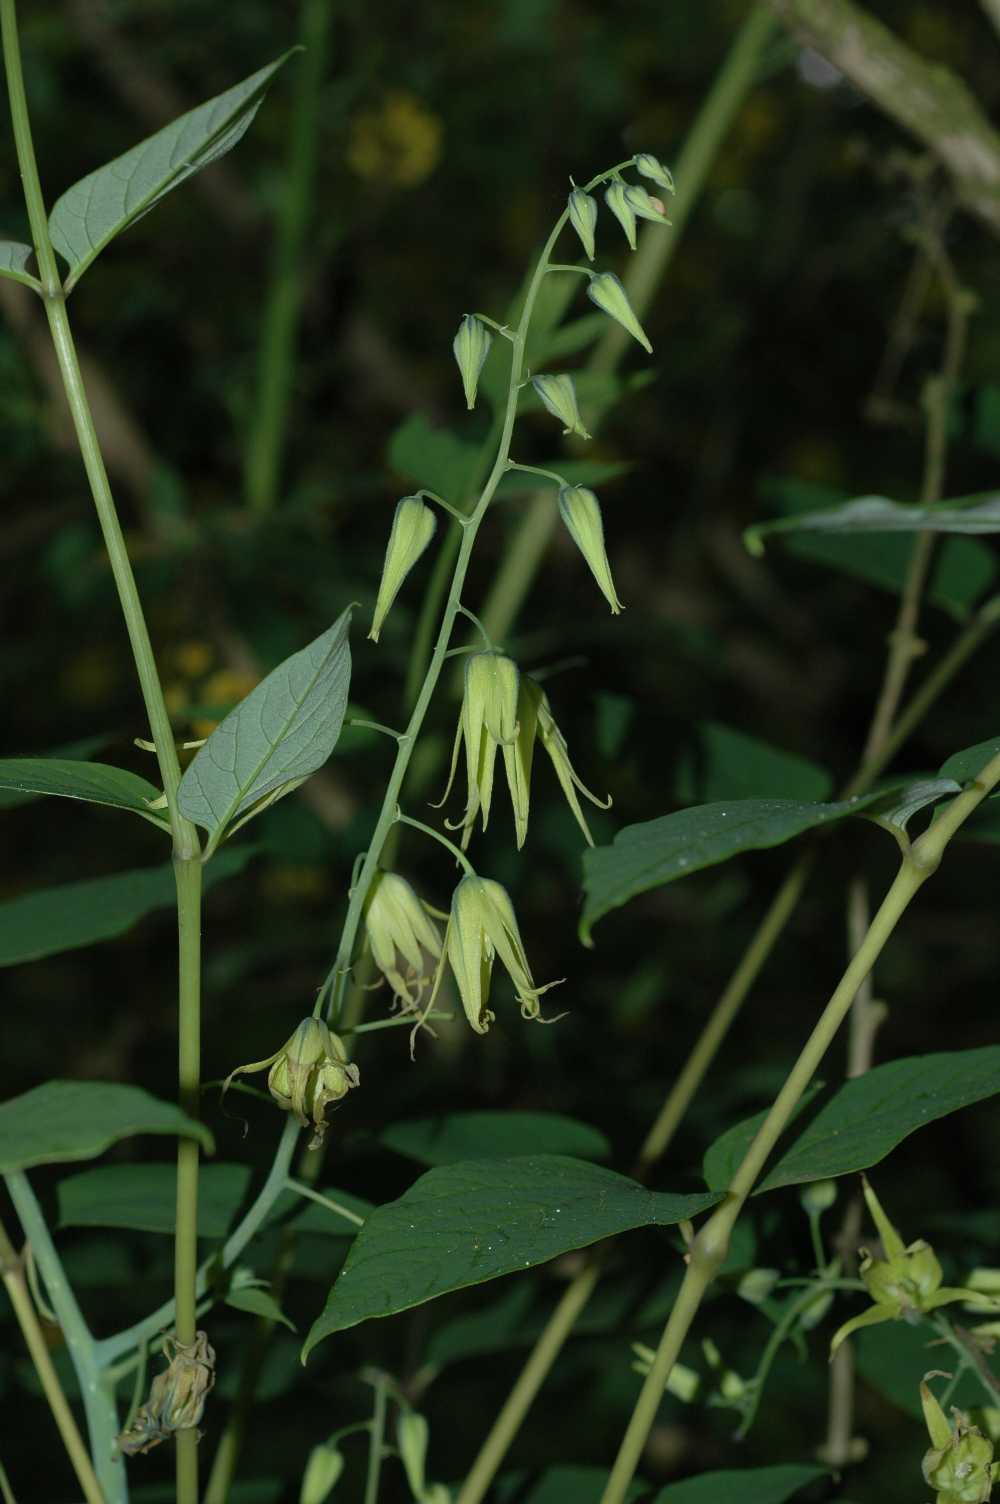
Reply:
x=376 y=1440
x=283 y=308
x=12 y=1272
x=711 y=1244
x=188 y=879
x=98 y=1399
x=646 y=268
x=6 y=1492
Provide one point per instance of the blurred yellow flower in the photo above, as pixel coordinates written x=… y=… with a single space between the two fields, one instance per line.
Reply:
x=400 y=143
x=193 y=658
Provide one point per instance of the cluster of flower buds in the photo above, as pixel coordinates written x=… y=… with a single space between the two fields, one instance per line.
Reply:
x=959 y=1465
x=310 y=1071
x=176 y=1396
x=401 y=932
x=503 y=709
x=904 y=1284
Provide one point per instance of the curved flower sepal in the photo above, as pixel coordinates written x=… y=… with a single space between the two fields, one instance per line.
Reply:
x=903 y=1285
x=482 y=925
x=488 y=720
x=399 y=930
x=959 y=1465
x=310 y=1071
x=176 y=1396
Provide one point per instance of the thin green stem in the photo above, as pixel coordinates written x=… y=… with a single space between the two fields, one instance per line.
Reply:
x=98 y=1400
x=437 y=835
x=332 y=1206
x=710 y=1246
x=558 y=480
x=188 y=879
x=12 y=1272
x=283 y=307
x=6 y=1492
x=376 y=1440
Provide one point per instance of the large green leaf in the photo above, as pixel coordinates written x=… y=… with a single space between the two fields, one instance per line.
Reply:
x=493 y=1135
x=284 y=730
x=745 y=1485
x=11 y=798
x=105 y=202
x=863 y=1120
x=966 y=765
x=75 y=914
x=579 y=1483
x=143 y=1197
x=731 y=765
x=65 y=1120
x=877 y=514
x=463 y=1224
x=14 y=258
x=94 y=782
x=659 y=851
x=894 y=1358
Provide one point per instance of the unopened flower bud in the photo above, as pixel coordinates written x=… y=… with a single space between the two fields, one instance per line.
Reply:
x=757 y=1285
x=616 y=198
x=818 y=1196
x=471 y=346
x=413 y=526
x=651 y=167
x=559 y=395
x=322 y=1472
x=645 y=206
x=483 y=925
x=581 y=512
x=399 y=930
x=488 y=721
x=608 y=293
x=310 y=1071
x=583 y=218
x=412 y=1435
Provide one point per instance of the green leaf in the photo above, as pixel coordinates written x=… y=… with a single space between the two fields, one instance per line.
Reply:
x=253 y=1491
x=574 y=336
x=964 y=766
x=463 y=1224
x=105 y=202
x=80 y=1119
x=732 y=765
x=14 y=258
x=862 y=1121
x=143 y=1197
x=435 y=459
x=259 y=1303
x=284 y=730
x=895 y=814
x=750 y=1485
x=894 y=1358
x=12 y=798
x=659 y=851
x=876 y=514
x=75 y=914
x=95 y=782
x=573 y=1484
x=493 y=1135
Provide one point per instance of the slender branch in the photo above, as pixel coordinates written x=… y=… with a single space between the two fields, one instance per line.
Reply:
x=12 y=1272
x=992 y=9
x=376 y=1440
x=926 y=99
x=98 y=1398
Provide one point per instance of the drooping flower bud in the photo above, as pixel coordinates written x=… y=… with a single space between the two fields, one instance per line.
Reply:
x=559 y=395
x=645 y=206
x=959 y=1465
x=616 y=198
x=651 y=167
x=322 y=1472
x=412 y=1436
x=310 y=1071
x=581 y=512
x=608 y=293
x=471 y=346
x=555 y=745
x=176 y=1396
x=583 y=218
x=413 y=526
x=400 y=930
x=483 y=925
x=488 y=721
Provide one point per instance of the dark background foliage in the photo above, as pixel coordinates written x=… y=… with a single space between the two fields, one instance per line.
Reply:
x=446 y=136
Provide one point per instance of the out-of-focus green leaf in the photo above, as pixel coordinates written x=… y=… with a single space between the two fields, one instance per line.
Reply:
x=493 y=1135
x=463 y=1224
x=12 y=798
x=143 y=1197
x=745 y=1485
x=14 y=258
x=258 y=1303
x=284 y=730
x=65 y=1120
x=864 y=1119
x=105 y=202
x=75 y=914
x=894 y=1358
x=877 y=514
x=433 y=458
x=732 y=765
